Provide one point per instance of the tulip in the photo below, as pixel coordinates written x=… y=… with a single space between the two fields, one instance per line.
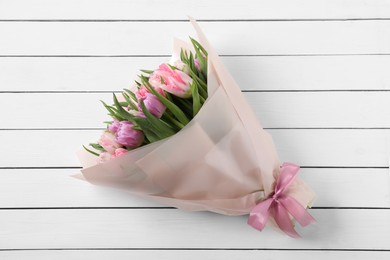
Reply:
x=171 y=80
x=119 y=152
x=129 y=137
x=114 y=126
x=142 y=91
x=197 y=64
x=151 y=102
x=153 y=105
x=108 y=142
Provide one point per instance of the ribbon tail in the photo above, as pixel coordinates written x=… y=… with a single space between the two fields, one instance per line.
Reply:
x=283 y=220
x=288 y=173
x=259 y=215
x=297 y=211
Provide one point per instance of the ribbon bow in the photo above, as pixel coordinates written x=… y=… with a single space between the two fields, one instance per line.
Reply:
x=280 y=205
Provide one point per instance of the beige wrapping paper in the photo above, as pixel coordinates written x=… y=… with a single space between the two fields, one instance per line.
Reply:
x=222 y=161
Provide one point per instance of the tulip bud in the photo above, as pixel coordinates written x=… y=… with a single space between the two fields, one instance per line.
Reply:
x=153 y=105
x=119 y=152
x=108 y=142
x=173 y=81
x=129 y=137
x=197 y=64
x=114 y=126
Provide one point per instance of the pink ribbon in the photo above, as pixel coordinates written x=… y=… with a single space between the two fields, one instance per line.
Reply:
x=280 y=205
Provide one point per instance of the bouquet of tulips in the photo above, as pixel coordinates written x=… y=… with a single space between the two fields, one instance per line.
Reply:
x=186 y=137
x=162 y=102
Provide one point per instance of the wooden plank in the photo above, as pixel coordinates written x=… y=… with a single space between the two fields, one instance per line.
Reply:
x=274 y=109
x=201 y=9
x=169 y=228
x=105 y=38
x=21 y=188
x=191 y=254
x=252 y=73
x=306 y=147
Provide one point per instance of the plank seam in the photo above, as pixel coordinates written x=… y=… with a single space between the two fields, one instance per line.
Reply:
x=168 y=55
x=265 y=128
x=200 y=249
x=198 y=20
x=79 y=167
x=245 y=91
x=168 y=208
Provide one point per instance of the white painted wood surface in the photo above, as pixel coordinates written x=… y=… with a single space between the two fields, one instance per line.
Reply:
x=326 y=147
x=203 y=9
x=113 y=73
x=274 y=109
x=171 y=228
x=136 y=38
x=367 y=189
x=193 y=254
x=315 y=72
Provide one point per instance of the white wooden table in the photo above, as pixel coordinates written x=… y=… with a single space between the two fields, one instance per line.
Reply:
x=317 y=74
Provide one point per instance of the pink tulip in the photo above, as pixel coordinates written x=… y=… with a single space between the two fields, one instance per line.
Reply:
x=119 y=152
x=153 y=105
x=197 y=64
x=114 y=126
x=129 y=137
x=142 y=91
x=155 y=80
x=108 y=142
x=173 y=81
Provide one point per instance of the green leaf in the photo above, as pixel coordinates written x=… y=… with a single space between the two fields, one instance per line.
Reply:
x=182 y=55
x=192 y=62
x=123 y=104
x=137 y=127
x=90 y=151
x=201 y=82
x=202 y=61
x=112 y=111
x=122 y=112
x=201 y=55
x=184 y=104
x=136 y=82
x=131 y=94
x=198 y=45
x=147 y=71
x=170 y=118
x=203 y=85
x=161 y=128
x=195 y=99
x=202 y=76
x=129 y=102
x=147 y=129
x=172 y=67
x=97 y=147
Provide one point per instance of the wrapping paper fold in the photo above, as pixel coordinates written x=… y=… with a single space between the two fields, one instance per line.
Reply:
x=222 y=161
